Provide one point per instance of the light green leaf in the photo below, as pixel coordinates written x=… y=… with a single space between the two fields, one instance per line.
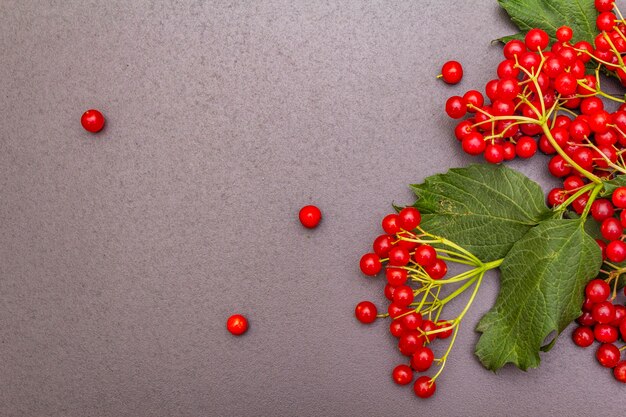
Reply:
x=484 y=208
x=549 y=15
x=541 y=291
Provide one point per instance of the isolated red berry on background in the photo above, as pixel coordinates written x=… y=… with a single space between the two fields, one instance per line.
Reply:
x=365 y=312
x=92 y=121
x=456 y=107
x=370 y=264
x=402 y=374
x=310 y=216
x=424 y=387
x=237 y=324
x=452 y=72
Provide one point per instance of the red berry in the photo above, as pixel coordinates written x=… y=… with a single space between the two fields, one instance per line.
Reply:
x=536 y=39
x=586 y=319
x=412 y=320
x=620 y=313
x=370 y=264
x=513 y=48
x=425 y=255
x=452 y=72
x=473 y=144
x=494 y=154
x=428 y=326
x=424 y=387
x=605 y=21
x=382 y=245
x=237 y=324
x=409 y=342
x=422 y=359
x=619 y=197
x=602 y=209
x=456 y=107
x=611 y=229
x=310 y=216
x=395 y=310
x=603 y=312
x=402 y=374
x=558 y=167
x=608 y=355
x=583 y=336
x=391 y=224
x=604 y=5
x=564 y=34
x=437 y=270
x=473 y=99
x=92 y=121
x=622 y=327
x=399 y=256
x=616 y=251
x=365 y=312
x=409 y=218
x=403 y=296
x=565 y=84
x=445 y=333
x=396 y=276
x=396 y=328
x=619 y=372
x=525 y=147
x=597 y=290
x=605 y=333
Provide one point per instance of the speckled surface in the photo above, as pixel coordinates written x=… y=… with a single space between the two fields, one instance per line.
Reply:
x=122 y=254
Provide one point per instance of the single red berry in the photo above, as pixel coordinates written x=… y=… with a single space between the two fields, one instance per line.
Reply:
x=494 y=153
x=564 y=34
x=391 y=224
x=558 y=167
x=608 y=355
x=402 y=374
x=611 y=229
x=399 y=256
x=586 y=319
x=365 y=312
x=620 y=313
x=403 y=296
x=556 y=197
x=473 y=144
x=573 y=182
x=428 y=326
x=389 y=289
x=604 y=5
x=370 y=264
x=473 y=99
x=452 y=72
x=395 y=310
x=513 y=48
x=602 y=209
x=412 y=320
x=597 y=290
x=616 y=251
x=310 y=216
x=509 y=151
x=424 y=387
x=619 y=197
x=605 y=333
x=603 y=312
x=422 y=359
x=526 y=147
x=409 y=218
x=445 y=333
x=92 y=121
x=237 y=324
x=409 y=342
x=437 y=270
x=583 y=336
x=565 y=84
x=396 y=276
x=425 y=255
x=456 y=107
x=536 y=39
x=396 y=328
x=619 y=372
x=382 y=245
x=606 y=21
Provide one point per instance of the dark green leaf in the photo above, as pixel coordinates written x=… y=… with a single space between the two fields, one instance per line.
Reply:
x=541 y=292
x=612 y=185
x=484 y=208
x=549 y=15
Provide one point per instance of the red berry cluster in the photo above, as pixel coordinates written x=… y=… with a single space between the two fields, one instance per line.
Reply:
x=604 y=321
x=415 y=264
x=610 y=43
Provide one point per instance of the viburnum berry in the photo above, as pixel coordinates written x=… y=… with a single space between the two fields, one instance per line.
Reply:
x=412 y=320
x=399 y=256
x=425 y=255
x=424 y=387
x=473 y=144
x=437 y=270
x=494 y=153
x=403 y=296
x=606 y=21
x=452 y=72
x=396 y=276
x=602 y=209
x=556 y=197
x=447 y=332
x=620 y=314
x=422 y=359
x=473 y=99
x=382 y=244
x=536 y=39
x=365 y=312
x=565 y=84
x=564 y=34
x=597 y=290
x=92 y=121
x=456 y=107
x=513 y=48
x=402 y=374
x=608 y=355
x=611 y=229
x=396 y=328
x=616 y=251
x=619 y=372
x=586 y=319
x=619 y=197
x=526 y=147
x=391 y=224
x=428 y=326
x=604 y=5
x=395 y=310
x=603 y=312
x=409 y=218
x=409 y=342
x=237 y=324
x=310 y=216
x=370 y=264
x=583 y=336
x=605 y=333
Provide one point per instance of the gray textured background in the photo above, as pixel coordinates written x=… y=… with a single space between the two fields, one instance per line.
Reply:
x=122 y=254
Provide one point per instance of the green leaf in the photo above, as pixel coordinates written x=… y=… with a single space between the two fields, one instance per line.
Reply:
x=612 y=185
x=483 y=208
x=541 y=291
x=549 y=15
